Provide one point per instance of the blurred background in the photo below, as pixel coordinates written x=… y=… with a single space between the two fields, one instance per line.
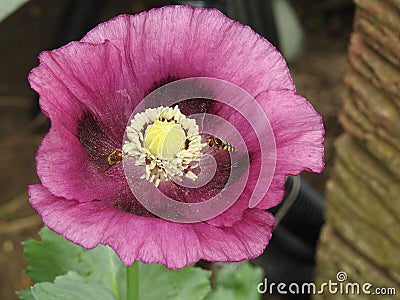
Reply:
x=312 y=34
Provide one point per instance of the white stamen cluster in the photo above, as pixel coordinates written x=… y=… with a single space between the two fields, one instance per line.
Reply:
x=157 y=167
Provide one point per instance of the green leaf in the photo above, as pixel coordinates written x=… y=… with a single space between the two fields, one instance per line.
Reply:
x=71 y=286
x=103 y=266
x=7 y=7
x=100 y=265
x=236 y=281
x=51 y=257
x=157 y=282
x=26 y=294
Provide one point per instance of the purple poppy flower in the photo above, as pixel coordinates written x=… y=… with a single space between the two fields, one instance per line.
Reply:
x=89 y=90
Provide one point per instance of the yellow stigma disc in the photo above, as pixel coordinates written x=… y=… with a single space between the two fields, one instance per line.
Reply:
x=164 y=139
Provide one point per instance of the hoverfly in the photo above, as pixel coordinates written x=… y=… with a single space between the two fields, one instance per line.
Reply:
x=114 y=157
x=219 y=144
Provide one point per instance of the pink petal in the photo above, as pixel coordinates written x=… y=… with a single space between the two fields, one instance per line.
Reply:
x=178 y=42
x=298 y=129
x=66 y=169
x=80 y=78
x=63 y=216
x=299 y=136
x=275 y=193
x=85 y=94
x=234 y=214
x=152 y=240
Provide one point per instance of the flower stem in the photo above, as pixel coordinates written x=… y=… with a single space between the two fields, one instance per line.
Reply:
x=132 y=276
